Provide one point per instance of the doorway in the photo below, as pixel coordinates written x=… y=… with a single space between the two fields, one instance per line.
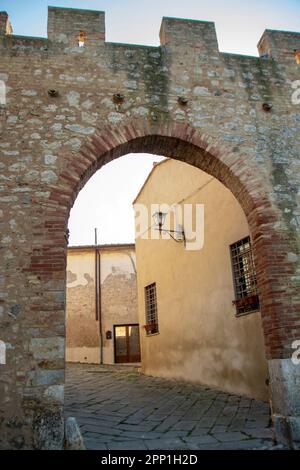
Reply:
x=127 y=344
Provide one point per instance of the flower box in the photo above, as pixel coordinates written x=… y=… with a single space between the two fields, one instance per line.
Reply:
x=151 y=327
x=250 y=300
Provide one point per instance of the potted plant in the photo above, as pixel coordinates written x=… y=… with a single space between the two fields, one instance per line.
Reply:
x=151 y=327
x=249 y=300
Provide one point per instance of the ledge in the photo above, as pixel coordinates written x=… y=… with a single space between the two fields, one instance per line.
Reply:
x=74 y=9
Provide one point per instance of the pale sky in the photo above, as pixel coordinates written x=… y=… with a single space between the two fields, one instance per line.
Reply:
x=106 y=200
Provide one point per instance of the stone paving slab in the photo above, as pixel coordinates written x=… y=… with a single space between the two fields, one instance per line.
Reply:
x=119 y=409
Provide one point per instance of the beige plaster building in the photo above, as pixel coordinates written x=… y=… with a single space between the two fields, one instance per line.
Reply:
x=102 y=313
x=195 y=332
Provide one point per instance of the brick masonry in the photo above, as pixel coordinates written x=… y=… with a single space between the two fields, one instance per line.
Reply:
x=71 y=109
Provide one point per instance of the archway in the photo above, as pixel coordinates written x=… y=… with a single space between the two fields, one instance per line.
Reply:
x=224 y=162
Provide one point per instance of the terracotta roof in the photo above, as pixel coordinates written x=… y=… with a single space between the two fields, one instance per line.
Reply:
x=113 y=246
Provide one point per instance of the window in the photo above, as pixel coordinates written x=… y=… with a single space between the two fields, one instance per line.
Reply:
x=2 y=353
x=151 y=326
x=244 y=276
x=81 y=39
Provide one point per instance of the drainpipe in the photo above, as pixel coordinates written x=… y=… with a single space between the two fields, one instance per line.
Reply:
x=98 y=295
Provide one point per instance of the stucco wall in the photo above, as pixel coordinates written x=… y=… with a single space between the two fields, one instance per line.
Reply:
x=200 y=338
x=118 y=301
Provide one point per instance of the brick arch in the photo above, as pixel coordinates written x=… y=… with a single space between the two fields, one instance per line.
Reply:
x=241 y=177
x=174 y=140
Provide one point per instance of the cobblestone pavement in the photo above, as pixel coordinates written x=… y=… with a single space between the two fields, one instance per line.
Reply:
x=119 y=409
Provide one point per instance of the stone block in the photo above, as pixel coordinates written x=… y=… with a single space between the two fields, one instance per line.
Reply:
x=47 y=348
x=48 y=428
x=73 y=437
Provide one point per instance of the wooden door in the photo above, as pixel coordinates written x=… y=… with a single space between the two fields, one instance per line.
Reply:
x=127 y=344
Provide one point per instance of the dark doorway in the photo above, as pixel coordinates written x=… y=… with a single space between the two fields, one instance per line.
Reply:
x=127 y=344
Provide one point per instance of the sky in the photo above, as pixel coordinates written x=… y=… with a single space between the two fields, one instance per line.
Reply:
x=239 y=23
x=106 y=200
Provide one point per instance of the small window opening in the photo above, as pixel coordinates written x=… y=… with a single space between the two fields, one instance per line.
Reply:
x=297 y=56
x=2 y=353
x=2 y=93
x=81 y=39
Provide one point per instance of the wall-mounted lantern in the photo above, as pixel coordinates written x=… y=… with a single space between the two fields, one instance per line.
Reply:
x=159 y=220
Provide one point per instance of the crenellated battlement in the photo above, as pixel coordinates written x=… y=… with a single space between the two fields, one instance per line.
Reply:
x=5 y=26
x=182 y=33
x=70 y=28
x=73 y=27
x=280 y=45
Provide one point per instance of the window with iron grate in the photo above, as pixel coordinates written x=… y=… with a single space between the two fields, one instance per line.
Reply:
x=151 y=326
x=244 y=277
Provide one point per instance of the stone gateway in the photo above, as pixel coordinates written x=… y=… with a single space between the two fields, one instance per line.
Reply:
x=75 y=102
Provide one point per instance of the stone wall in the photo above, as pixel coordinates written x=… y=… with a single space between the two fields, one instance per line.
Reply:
x=71 y=109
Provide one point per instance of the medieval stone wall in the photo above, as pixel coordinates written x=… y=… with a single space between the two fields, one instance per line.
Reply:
x=71 y=109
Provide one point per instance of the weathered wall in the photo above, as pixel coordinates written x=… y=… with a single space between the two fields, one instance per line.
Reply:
x=200 y=338
x=53 y=141
x=82 y=328
x=118 y=301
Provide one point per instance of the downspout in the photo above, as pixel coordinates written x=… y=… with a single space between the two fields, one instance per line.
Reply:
x=98 y=295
